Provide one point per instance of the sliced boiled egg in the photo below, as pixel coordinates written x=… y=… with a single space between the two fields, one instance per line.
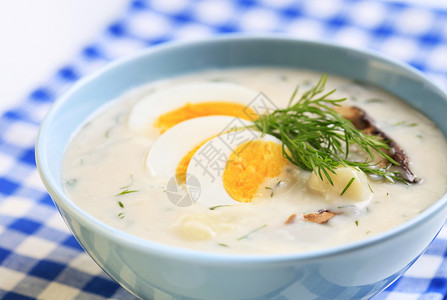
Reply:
x=240 y=166
x=158 y=111
x=170 y=152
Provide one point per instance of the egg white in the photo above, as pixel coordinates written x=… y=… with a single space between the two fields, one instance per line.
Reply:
x=168 y=150
x=145 y=112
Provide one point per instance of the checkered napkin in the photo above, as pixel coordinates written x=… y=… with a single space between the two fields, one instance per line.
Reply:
x=39 y=258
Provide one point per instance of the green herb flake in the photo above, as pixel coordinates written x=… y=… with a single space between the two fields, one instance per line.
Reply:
x=405 y=123
x=121 y=204
x=368 y=232
x=347 y=186
x=370 y=188
x=345 y=206
x=251 y=232
x=71 y=182
x=107 y=133
x=223 y=245
x=217 y=206
x=126 y=192
x=121 y=215
x=273 y=188
x=357 y=223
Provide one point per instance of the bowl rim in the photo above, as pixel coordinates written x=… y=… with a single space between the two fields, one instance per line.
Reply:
x=160 y=249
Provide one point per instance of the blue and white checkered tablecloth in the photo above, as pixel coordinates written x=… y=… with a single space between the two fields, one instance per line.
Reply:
x=40 y=259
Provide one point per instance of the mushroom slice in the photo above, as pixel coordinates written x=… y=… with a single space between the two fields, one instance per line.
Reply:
x=362 y=121
x=319 y=217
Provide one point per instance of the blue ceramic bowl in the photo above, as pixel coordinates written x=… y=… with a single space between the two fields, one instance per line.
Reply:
x=357 y=270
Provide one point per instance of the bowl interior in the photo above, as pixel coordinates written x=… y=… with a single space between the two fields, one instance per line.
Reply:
x=179 y=58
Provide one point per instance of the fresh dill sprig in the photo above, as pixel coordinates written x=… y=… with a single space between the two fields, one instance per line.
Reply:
x=317 y=138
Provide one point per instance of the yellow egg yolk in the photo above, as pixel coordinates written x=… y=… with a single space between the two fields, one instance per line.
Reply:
x=180 y=172
x=249 y=166
x=190 y=111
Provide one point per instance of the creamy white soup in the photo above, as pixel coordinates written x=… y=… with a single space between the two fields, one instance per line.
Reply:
x=180 y=162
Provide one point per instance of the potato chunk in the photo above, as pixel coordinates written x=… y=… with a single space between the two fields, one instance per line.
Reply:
x=202 y=226
x=357 y=191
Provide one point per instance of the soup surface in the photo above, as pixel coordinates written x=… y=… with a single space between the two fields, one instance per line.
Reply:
x=177 y=162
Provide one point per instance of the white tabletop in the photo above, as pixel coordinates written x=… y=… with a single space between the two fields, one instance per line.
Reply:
x=39 y=36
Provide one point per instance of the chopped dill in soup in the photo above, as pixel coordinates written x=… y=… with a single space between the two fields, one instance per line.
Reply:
x=256 y=160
